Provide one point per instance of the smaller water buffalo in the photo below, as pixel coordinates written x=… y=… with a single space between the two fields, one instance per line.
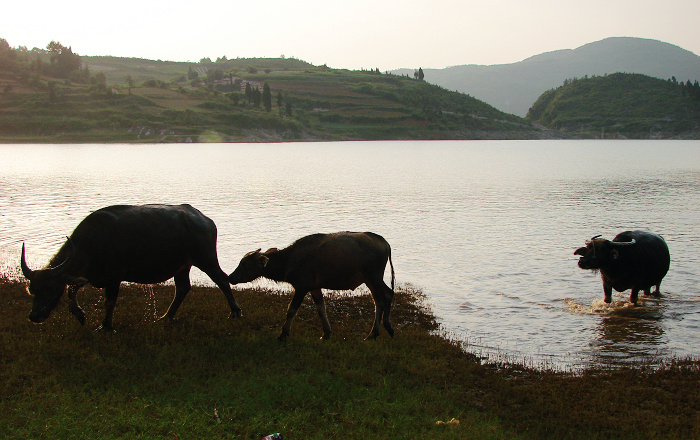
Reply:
x=634 y=260
x=141 y=244
x=340 y=261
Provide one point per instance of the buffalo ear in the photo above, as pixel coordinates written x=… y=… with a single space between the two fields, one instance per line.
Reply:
x=581 y=251
x=614 y=254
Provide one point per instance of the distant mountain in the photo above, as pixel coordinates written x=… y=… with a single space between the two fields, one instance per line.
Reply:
x=513 y=88
x=621 y=105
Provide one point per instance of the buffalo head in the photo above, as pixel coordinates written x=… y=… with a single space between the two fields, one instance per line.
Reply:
x=600 y=253
x=47 y=286
x=251 y=267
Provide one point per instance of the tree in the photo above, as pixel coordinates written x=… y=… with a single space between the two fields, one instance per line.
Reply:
x=248 y=93
x=267 y=97
x=63 y=60
x=100 y=81
x=279 y=99
x=7 y=56
x=257 y=97
x=192 y=74
x=129 y=82
x=54 y=47
x=233 y=96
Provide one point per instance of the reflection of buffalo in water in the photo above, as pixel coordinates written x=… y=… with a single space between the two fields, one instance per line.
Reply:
x=634 y=260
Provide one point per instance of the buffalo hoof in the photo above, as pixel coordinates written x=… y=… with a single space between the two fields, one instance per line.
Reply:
x=282 y=337
x=38 y=318
x=326 y=336
x=372 y=336
x=237 y=314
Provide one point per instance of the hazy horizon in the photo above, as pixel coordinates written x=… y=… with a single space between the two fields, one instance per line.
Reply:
x=385 y=34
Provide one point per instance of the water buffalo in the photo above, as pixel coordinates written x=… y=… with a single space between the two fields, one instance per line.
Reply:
x=340 y=261
x=634 y=260
x=141 y=244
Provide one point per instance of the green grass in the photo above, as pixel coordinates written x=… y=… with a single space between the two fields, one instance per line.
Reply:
x=208 y=376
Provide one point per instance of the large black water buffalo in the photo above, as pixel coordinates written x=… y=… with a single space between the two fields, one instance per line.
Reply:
x=340 y=261
x=141 y=244
x=634 y=260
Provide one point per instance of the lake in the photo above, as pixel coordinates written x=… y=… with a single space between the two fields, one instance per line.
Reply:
x=487 y=229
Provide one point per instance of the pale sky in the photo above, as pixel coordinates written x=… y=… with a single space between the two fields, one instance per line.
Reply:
x=384 y=34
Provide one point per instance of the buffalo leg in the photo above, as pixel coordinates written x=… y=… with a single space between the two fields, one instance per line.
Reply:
x=634 y=295
x=379 y=306
x=317 y=295
x=73 y=305
x=607 y=289
x=111 y=294
x=182 y=287
x=389 y=298
x=294 y=305
x=221 y=279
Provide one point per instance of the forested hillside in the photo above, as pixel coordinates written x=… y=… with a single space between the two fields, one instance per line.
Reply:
x=55 y=95
x=622 y=105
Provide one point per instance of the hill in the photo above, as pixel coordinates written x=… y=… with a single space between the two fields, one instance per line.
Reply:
x=621 y=105
x=55 y=95
x=513 y=88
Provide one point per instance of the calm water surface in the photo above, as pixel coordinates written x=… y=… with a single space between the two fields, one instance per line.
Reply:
x=486 y=229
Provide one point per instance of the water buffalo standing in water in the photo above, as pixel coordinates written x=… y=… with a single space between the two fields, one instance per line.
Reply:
x=141 y=244
x=634 y=260
x=340 y=261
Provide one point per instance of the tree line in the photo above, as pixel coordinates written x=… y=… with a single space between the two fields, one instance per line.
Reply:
x=689 y=89
x=686 y=89
x=56 y=61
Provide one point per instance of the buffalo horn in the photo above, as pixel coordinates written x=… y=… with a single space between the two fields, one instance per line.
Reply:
x=592 y=238
x=26 y=271
x=624 y=243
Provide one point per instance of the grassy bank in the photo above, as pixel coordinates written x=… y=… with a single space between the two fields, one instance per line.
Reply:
x=207 y=376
